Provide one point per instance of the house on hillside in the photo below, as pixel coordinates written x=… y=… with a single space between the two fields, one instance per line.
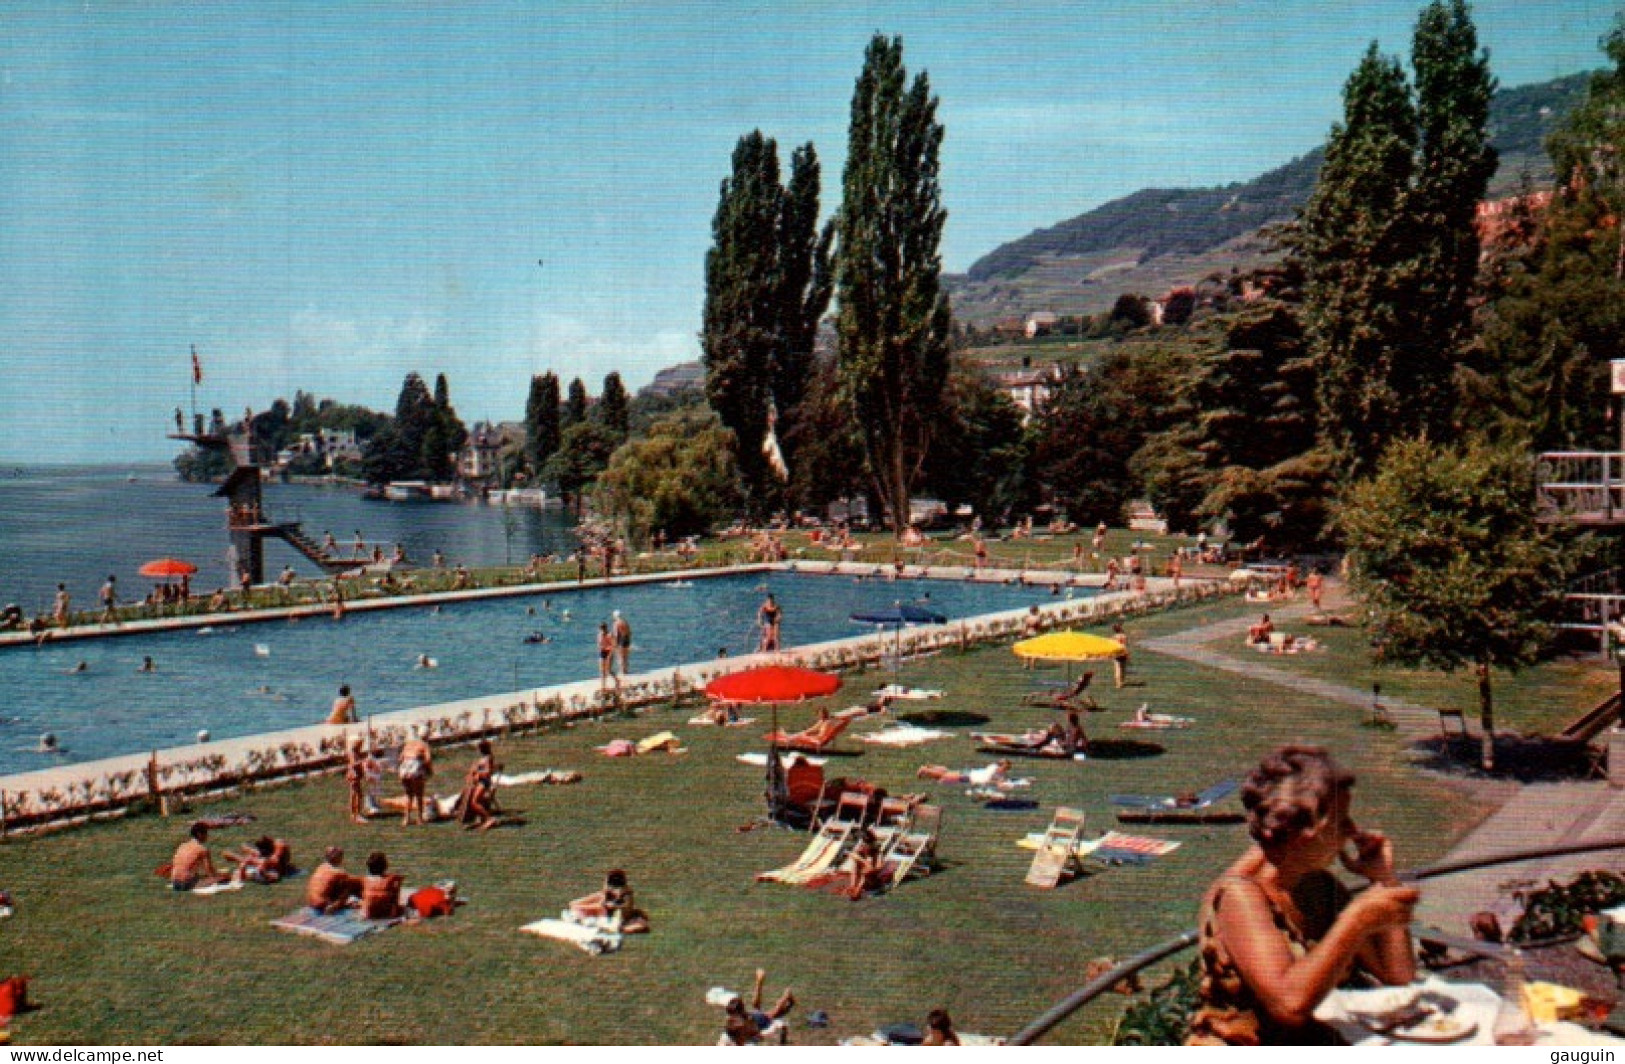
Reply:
x=1027 y=386
x=1041 y=323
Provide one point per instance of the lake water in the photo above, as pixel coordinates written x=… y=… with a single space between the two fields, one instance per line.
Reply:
x=250 y=678
x=78 y=524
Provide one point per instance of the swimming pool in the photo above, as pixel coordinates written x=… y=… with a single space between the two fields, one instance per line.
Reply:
x=246 y=679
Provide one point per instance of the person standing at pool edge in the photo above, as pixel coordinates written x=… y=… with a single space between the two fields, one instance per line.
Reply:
x=623 y=641
x=606 y=657
x=769 y=616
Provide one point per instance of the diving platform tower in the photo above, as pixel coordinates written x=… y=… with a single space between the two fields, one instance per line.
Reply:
x=247 y=523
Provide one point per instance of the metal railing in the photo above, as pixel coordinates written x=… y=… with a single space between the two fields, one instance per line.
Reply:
x=1063 y=1009
x=1584 y=487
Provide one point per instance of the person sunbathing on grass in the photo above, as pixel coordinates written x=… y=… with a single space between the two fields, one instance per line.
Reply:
x=192 y=866
x=331 y=888
x=747 y=1026
x=381 y=890
x=987 y=776
x=268 y=860
x=613 y=904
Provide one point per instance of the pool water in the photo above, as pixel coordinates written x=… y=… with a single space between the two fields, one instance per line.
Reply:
x=251 y=678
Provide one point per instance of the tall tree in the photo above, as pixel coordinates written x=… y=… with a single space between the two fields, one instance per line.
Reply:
x=1354 y=245
x=806 y=283
x=766 y=287
x=612 y=405
x=1560 y=317
x=447 y=436
x=1445 y=551
x=894 y=321
x=1454 y=165
x=575 y=405
x=542 y=419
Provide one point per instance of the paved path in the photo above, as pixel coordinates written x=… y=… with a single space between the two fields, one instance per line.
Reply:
x=1194 y=645
x=1528 y=816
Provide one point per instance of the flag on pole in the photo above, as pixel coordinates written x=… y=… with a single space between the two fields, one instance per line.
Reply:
x=197 y=367
x=770 y=445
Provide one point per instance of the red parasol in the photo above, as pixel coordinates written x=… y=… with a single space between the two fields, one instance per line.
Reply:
x=164 y=568
x=773 y=683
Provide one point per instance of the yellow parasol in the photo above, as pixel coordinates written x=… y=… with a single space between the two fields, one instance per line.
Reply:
x=1068 y=646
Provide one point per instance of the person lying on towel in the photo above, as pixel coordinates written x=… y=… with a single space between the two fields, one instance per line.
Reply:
x=987 y=776
x=268 y=860
x=613 y=904
x=331 y=888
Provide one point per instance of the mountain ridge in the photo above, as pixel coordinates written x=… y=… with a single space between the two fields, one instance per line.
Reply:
x=1156 y=238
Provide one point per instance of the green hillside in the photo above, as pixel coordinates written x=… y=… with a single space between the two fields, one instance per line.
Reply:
x=1157 y=238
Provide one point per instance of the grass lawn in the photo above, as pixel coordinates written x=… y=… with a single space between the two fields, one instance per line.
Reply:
x=118 y=958
x=1533 y=701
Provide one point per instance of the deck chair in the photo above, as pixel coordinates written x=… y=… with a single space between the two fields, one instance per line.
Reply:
x=814 y=739
x=850 y=812
x=1074 y=696
x=894 y=818
x=916 y=847
x=1057 y=856
x=824 y=851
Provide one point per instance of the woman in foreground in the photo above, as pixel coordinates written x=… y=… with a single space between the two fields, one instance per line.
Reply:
x=1278 y=931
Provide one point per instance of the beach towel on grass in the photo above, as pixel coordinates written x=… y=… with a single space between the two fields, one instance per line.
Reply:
x=902 y=735
x=216 y=888
x=592 y=940
x=1159 y=722
x=704 y=719
x=786 y=759
x=908 y=694
x=546 y=775
x=340 y=928
x=1117 y=847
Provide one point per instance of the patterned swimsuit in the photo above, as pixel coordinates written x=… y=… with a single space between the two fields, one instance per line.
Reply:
x=1230 y=1014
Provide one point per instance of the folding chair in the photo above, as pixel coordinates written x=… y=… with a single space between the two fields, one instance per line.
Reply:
x=1057 y=853
x=916 y=847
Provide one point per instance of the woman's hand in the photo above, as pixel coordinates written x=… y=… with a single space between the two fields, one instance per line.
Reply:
x=1381 y=907
x=1370 y=854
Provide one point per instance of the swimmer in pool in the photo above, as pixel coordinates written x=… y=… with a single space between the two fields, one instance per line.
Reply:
x=538 y=637
x=426 y=662
x=83 y=666
x=147 y=665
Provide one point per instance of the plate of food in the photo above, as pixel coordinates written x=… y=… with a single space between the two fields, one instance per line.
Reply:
x=1438 y=1027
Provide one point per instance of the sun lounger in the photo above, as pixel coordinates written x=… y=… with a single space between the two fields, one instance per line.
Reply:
x=1114 y=847
x=814 y=739
x=1176 y=809
x=340 y=928
x=1057 y=850
x=1200 y=800
x=1008 y=745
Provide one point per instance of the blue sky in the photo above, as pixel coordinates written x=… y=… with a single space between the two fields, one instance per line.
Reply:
x=327 y=195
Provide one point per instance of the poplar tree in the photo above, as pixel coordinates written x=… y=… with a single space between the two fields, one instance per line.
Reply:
x=542 y=419
x=1353 y=244
x=894 y=320
x=575 y=406
x=766 y=287
x=1389 y=243
x=612 y=405
x=1455 y=162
